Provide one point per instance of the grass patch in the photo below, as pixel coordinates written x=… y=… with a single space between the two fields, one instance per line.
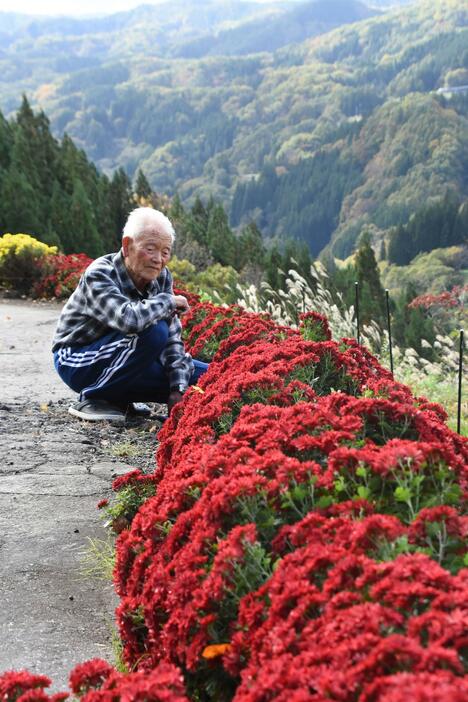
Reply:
x=117 y=650
x=98 y=559
x=125 y=449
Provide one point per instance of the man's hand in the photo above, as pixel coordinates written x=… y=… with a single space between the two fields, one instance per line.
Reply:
x=174 y=397
x=182 y=305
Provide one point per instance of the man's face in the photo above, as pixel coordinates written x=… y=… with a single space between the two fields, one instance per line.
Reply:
x=146 y=256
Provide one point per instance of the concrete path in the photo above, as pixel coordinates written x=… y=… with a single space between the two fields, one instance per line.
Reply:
x=53 y=471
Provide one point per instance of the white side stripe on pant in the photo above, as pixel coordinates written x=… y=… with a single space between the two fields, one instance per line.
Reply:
x=116 y=365
x=78 y=359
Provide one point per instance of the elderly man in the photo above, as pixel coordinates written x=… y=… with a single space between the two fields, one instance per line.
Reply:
x=118 y=339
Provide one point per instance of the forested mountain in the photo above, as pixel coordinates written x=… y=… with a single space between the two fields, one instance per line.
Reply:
x=318 y=140
x=39 y=49
x=268 y=34
x=50 y=189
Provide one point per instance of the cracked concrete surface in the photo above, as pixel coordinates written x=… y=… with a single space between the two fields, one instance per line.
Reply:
x=53 y=471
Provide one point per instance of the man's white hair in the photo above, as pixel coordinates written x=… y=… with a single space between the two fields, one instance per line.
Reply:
x=144 y=219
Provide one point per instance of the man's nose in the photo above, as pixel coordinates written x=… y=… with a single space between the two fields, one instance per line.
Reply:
x=156 y=256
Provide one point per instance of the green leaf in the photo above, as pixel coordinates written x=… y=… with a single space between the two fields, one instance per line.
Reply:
x=402 y=494
x=363 y=492
x=325 y=501
x=340 y=484
x=299 y=492
x=452 y=496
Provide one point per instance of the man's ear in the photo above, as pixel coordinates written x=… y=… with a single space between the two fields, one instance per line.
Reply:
x=125 y=243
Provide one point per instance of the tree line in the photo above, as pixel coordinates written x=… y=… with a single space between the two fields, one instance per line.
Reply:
x=410 y=325
x=204 y=237
x=306 y=200
x=50 y=189
x=440 y=224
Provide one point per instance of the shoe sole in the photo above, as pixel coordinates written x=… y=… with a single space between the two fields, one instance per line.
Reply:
x=138 y=413
x=161 y=417
x=96 y=417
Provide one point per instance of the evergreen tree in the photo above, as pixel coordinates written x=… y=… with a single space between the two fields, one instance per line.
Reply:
x=85 y=235
x=238 y=206
x=68 y=167
x=431 y=227
x=104 y=217
x=460 y=225
x=273 y=268
x=20 y=208
x=221 y=240
x=383 y=250
x=199 y=211
x=251 y=248
x=198 y=222
x=419 y=327
x=410 y=325
x=73 y=166
x=142 y=187
x=121 y=203
x=372 y=296
x=6 y=142
x=176 y=211
x=53 y=192
x=399 y=247
x=342 y=284
x=34 y=153
x=59 y=219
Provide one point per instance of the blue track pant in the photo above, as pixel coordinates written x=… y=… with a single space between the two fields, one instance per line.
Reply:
x=120 y=368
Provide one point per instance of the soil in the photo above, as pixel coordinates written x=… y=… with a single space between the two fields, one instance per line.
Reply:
x=54 y=469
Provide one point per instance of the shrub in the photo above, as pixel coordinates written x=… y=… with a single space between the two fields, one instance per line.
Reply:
x=21 y=257
x=60 y=275
x=23 y=686
x=308 y=517
x=97 y=681
x=227 y=514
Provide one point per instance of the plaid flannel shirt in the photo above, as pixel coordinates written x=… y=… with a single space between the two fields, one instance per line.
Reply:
x=106 y=299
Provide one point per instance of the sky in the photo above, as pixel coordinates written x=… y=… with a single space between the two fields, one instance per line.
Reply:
x=72 y=7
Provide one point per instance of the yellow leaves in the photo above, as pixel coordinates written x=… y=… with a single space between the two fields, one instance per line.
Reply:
x=215 y=650
x=18 y=244
x=196 y=388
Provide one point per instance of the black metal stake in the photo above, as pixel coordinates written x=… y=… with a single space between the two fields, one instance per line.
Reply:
x=460 y=371
x=358 y=334
x=389 y=327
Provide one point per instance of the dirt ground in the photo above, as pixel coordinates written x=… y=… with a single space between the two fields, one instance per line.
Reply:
x=53 y=471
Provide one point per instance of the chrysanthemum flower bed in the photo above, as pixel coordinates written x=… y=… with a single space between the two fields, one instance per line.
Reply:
x=293 y=488
x=303 y=536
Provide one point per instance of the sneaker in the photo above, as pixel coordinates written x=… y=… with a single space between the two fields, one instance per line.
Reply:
x=134 y=409
x=96 y=411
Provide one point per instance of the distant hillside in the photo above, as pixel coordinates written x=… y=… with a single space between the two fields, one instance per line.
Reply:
x=307 y=20
x=319 y=139
x=189 y=15
x=39 y=50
